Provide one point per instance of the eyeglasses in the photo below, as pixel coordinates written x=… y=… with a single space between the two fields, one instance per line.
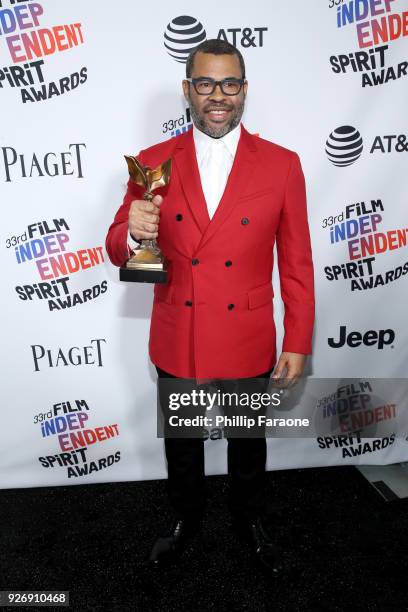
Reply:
x=205 y=87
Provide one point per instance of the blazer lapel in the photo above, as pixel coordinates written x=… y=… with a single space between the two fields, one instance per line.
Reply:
x=238 y=181
x=237 y=184
x=186 y=162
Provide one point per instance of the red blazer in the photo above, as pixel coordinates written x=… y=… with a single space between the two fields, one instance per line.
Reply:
x=214 y=317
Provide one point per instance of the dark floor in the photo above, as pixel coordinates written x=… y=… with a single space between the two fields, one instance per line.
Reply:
x=347 y=547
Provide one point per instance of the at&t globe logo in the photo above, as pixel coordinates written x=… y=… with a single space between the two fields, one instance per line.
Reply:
x=344 y=146
x=182 y=35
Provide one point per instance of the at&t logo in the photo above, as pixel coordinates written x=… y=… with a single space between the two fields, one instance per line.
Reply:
x=344 y=146
x=184 y=33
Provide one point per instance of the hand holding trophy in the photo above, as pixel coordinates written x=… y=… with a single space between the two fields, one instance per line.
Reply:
x=147 y=264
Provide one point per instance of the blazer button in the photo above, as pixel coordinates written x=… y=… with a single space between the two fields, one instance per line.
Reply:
x=228 y=263
x=188 y=303
x=179 y=217
x=230 y=306
x=195 y=261
x=244 y=220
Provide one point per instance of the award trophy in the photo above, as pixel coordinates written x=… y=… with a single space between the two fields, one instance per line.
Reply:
x=147 y=264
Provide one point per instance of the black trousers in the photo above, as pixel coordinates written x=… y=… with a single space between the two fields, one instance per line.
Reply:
x=186 y=476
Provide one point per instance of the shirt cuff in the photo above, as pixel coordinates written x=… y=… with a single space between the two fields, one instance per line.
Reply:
x=132 y=243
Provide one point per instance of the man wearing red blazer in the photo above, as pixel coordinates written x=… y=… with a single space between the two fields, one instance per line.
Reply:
x=230 y=197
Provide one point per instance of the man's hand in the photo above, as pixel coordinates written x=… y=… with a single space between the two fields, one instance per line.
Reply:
x=294 y=364
x=144 y=218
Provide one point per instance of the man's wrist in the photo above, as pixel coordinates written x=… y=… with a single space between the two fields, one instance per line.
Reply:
x=132 y=242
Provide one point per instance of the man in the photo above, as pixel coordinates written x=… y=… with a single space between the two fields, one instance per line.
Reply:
x=231 y=195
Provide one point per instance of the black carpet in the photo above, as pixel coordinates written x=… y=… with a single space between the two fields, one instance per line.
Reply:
x=347 y=547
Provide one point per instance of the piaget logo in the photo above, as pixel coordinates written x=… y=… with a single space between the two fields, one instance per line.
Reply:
x=27 y=42
x=51 y=164
x=91 y=354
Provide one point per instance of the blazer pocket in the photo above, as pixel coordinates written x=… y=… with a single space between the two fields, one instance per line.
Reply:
x=163 y=293
x=258 y=194
x=260 y=295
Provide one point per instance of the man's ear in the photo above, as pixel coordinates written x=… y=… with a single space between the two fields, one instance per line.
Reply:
x=185 y=85
x=245 y=88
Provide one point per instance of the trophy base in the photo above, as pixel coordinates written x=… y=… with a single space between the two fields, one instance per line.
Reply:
x=138 y=275
x=146 y=265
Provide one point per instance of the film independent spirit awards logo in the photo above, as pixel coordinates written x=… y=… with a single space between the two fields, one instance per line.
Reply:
x=378 y=26
x=29 y=42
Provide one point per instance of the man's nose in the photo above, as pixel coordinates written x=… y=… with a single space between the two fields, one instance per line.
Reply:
x=217 y=94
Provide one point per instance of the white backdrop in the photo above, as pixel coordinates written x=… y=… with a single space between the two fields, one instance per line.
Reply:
x=129 y=95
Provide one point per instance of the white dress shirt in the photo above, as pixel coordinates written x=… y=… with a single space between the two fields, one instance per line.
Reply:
x=215 y=157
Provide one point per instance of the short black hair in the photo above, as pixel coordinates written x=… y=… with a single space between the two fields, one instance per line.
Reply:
x=216 y=47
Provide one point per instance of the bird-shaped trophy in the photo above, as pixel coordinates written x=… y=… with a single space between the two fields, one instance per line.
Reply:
x=147 y=263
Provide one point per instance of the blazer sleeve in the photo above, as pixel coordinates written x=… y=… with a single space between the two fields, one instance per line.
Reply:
x=116 y=242
x=296 y=264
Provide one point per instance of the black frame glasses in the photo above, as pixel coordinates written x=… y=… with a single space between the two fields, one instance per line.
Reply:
x=214 y=84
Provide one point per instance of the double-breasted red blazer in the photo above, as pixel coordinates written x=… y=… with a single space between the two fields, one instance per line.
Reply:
x=214 y=316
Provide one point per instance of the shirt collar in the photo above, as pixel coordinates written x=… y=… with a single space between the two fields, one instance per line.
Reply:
x=203 y=141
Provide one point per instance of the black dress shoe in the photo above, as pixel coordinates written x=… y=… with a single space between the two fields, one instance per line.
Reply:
x=167 y=547
x=257 y=533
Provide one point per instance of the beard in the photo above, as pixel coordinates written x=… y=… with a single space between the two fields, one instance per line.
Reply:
x=214 y=131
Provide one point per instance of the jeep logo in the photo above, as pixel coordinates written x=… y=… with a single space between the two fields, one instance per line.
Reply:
x=381 y=338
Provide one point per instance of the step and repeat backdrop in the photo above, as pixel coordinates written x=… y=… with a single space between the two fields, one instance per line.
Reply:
x=82 y=84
